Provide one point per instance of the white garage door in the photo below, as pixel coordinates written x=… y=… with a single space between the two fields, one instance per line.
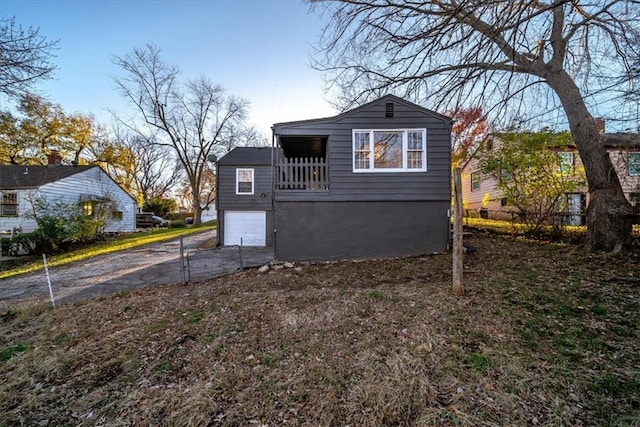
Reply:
x=249 y=226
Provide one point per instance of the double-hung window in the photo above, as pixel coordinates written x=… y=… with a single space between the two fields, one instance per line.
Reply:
x=9 y=206
x=475 y=181
x=244 y=181
x=401 y=150
x=565 y=162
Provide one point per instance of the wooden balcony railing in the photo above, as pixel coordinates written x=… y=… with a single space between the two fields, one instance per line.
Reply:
x=302 y=173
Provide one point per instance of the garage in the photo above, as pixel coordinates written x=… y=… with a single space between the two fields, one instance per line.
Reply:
x=249 y=226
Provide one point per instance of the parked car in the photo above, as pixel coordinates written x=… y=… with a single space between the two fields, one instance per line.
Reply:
x=160 y=222
x=188 y=220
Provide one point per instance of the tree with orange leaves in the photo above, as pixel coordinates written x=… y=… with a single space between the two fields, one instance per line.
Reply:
x=470 y=128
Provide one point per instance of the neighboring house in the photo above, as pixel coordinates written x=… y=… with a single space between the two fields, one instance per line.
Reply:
x=483 y=193
x=88 y=186
x=374 y=181
x=209 y=213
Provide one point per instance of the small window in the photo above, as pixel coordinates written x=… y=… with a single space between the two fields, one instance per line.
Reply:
x=565 y=162
x=475 y=181
x=87 y=208
x=9 y=205
x=244 y=181
x=505 y=175
x=488 y=145
x=634 y=164
x=503 y=201
x=117 y=215
x=634 y=199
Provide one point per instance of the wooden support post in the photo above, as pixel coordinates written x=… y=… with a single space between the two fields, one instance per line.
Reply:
x=458 y=249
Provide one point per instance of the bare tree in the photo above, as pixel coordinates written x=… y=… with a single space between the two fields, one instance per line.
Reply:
x=24 y=58
x=138 y=163
x=503 y=54
x=196 y=119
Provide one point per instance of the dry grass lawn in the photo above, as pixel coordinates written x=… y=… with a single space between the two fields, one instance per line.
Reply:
x=546 y=335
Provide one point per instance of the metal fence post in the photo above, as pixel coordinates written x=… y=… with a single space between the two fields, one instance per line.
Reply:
x=184 y=279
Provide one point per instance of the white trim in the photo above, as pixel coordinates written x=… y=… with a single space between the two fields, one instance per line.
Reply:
x=253 y=182
x=405 y=150
x=479 y=175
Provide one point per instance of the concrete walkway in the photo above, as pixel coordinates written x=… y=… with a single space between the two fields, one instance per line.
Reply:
x=155 y=264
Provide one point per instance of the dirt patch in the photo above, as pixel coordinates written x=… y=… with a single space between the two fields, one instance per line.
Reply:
x=545 y=335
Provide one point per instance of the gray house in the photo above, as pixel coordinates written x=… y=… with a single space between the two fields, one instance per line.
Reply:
x=371 y=182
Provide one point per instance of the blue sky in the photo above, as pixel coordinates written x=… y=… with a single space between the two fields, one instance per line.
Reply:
x=257 y=49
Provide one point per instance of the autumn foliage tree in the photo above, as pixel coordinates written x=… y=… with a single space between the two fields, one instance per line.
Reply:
x=533 y=174
x=470 y=127
x=28 y=136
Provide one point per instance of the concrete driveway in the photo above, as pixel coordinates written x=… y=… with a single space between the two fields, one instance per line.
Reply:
x=155 y=264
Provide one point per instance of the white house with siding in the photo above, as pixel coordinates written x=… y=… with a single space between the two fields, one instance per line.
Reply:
x=87 y=186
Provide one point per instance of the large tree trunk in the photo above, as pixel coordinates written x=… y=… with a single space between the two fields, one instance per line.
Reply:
x=197 y=211
x=609 y=214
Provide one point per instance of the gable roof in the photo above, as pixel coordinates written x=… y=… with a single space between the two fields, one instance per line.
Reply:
x=247 y=156
x=348 y=113
x=19 y=176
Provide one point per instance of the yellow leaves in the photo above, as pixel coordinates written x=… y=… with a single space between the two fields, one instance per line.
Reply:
x=44 y=126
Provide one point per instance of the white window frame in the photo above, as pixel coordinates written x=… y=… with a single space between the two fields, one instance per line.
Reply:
x=629 y=163
x=15 y=207
x=253 y=182
x=565 y=162
x=477 y=175
x=405 y=150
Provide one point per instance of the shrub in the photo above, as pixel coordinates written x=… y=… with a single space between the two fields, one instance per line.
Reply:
x=59 y=226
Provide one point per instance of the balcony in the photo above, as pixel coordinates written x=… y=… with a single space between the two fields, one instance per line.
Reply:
x=301 y=173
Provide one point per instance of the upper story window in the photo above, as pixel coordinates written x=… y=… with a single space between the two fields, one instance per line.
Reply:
x=634 y=164
x=565 y=162
x=475 y=181
x=9 y=206
x=244 y=181
x=402 y=150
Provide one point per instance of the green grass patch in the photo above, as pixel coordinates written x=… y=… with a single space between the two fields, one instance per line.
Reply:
x=194 y=317
x=375 y=295
x=8 y=352
x=479 y=362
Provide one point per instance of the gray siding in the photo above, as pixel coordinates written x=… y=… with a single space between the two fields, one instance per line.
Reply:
x=344 y=185
x=309 y=231
x=228 y=200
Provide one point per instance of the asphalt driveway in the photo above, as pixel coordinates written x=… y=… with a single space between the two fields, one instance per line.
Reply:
x=151 y=265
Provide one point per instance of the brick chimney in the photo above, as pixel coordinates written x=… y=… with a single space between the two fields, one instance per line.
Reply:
x=54 y=158
x=600 y=124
